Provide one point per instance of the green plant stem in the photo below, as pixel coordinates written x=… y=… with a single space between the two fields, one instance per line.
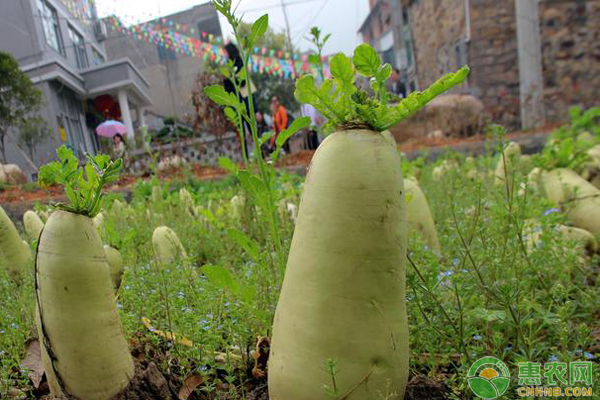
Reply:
x=262 y=166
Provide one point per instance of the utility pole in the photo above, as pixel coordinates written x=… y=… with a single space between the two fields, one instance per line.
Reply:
x=530 y=64
x=287 y=28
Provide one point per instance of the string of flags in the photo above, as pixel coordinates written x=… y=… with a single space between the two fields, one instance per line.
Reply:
x=164 y=33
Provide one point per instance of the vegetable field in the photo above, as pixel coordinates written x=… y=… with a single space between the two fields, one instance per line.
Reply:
x=504 y=281
x=372 y=278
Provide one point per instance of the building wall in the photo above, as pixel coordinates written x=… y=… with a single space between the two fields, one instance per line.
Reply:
x=493 y=58
x=22 y=34
x=18 y=33
x=438 y=28
x=45 y=151
x=171 y=75
x=570 y=33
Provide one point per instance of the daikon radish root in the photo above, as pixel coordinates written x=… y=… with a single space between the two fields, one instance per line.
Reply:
x=98 y=221
x=84 y=351
x=79 y=319
x=577 y=197
x=343 y=293
x=532 y=183
x=167 y=246
x=419 y=215
x=238 y=204
x=442 y=169
x=33 y=225
x=186 y=199
x=118 y=207
x=508 y=161
x=14 y=256
x=584 y=240
x=157 y=194
x=44 y=215
x=115 y=264
x=287 y=210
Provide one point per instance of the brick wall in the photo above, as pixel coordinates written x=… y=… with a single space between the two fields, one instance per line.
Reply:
x=570 y=31
x=493 y=58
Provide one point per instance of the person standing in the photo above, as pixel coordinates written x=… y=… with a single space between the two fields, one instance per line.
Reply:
x=398 y=87
x=233 y=54
x=280 y=122
x=312 y=139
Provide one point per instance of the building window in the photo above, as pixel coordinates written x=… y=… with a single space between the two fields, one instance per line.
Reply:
x=97 y=57
x=51 y=26
x=78 y=48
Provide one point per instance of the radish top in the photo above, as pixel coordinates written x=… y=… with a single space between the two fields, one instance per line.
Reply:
x=342 y=102
x=83 y=185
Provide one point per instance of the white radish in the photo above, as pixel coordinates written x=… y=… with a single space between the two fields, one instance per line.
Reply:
x=115 y=263
x=84 y=351
x=167 y=246
x=33 y=225
x=14 y=256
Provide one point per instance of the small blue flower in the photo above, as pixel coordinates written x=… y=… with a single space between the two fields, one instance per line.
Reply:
x=553 y=358
x=455 y=262
x=477 y=337
x=127 y=287
x=507 y=348
x=181 y=295
x=588 y=355
x=551 y=210
x=119 y=306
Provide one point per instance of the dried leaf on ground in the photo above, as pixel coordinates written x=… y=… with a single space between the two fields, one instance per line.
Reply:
x=33 y=362
x=189 y=385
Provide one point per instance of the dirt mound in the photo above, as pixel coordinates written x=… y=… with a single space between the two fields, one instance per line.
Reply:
x=148 y=383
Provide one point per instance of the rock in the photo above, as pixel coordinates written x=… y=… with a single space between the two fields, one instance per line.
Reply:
x=437 y=134
x=447 y=115
x=12 y=174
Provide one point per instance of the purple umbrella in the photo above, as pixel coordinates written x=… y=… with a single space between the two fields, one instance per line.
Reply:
x=110 y=128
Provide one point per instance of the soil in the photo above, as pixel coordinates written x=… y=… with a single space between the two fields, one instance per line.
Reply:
x=413 y=144
x=24 y=197
x=156 y=378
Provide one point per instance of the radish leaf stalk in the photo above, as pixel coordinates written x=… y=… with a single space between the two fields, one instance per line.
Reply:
x=343 y=103
x=83 y=186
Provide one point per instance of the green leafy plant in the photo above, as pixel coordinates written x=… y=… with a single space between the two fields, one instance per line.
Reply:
x=83 y=185
x=342 y=102
x=564 y=153
x=32 y=133
x=259 y=187
x=18 y=97
x=319 y=41
x=568 y=145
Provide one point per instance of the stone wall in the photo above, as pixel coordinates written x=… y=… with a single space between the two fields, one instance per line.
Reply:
x=204 y=150
x=438 y=29
x=493 y=58
x=570 y=31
